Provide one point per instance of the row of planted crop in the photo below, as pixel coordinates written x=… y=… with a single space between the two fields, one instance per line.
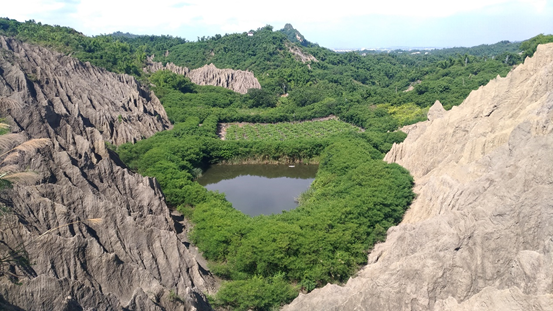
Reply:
x=283 y=131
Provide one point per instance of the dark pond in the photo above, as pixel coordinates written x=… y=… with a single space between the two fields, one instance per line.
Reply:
x=260 y=189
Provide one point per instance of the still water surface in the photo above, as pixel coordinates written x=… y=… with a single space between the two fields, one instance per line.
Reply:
x=260 y=189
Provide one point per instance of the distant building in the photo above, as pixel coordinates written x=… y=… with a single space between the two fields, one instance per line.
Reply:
x=250 y=34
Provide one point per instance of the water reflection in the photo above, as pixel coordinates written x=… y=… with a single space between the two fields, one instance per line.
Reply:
x=260 y=189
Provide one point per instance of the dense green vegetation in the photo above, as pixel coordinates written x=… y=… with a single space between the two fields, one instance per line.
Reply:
x=377 y=78
x=529 y=46
x=356 y=197
x=266 y=260
x=483 y=50
x=447 y=75
x=113 y=53
x=294 y=36
x=283 y=131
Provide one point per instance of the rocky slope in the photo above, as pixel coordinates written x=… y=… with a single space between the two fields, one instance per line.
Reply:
x=479 y=234
x=300 y=55
x=237 y=80
x=132 y=255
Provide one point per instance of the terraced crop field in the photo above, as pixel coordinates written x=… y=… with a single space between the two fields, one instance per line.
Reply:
x=285 y=131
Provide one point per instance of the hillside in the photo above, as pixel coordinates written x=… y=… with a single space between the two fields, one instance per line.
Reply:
x=87 y=231
x=294 y=35
x=236 y=80
x=478 y=235
x=108 y=108
x=274 y=61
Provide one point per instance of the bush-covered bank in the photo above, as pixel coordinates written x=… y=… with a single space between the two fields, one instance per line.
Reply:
x=354 y=199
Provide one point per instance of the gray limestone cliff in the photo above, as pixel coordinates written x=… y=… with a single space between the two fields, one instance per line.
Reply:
x=237 y=80
x=479 y=235
x=98 y=236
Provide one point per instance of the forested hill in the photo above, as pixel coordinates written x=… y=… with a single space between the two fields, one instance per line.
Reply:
x=372 y=79
x=378 y=79
x=294 y=35
x=495 y=50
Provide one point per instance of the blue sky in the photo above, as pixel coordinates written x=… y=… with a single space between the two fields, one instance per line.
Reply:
x=338 y=24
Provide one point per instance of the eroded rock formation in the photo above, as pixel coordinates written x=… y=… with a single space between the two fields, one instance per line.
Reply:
x=131 y=255
x=479 y=234
x=301 y=55
x=237 y=80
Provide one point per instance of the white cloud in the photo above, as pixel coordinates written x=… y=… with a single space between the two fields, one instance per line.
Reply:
x=180 y=17
x=28 y=9
x=101 y=16
x=102 y=13
x=538 y=5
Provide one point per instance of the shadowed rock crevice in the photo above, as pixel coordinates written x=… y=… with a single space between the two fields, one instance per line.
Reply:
x=111 y=243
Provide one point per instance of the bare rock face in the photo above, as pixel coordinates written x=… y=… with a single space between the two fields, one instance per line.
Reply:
x=98 y=236
x=237 y=80
x=436 y=111
x=301 y=55
x=479 y=234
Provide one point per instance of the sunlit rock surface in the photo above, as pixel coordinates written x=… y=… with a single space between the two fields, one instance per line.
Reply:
x=237 y=80
x=479 y=235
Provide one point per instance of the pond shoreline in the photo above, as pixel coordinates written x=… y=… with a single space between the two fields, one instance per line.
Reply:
x=260 y=189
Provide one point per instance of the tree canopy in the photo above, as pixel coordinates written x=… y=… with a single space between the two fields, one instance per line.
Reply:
x=266 y=260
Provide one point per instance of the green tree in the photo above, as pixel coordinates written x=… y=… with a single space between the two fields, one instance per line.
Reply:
x=168 y=79
x=529 y=46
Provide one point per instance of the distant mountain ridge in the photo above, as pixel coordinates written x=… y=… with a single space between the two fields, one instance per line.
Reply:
x=482 y=50
x=280 y=65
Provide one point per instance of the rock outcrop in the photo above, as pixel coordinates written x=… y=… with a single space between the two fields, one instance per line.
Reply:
x=237 y=80
x=478 y=236
x=301 y=55
x=98 y=236
x=436 y=111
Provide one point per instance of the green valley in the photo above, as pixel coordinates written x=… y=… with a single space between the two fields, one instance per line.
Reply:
x=265 y=261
